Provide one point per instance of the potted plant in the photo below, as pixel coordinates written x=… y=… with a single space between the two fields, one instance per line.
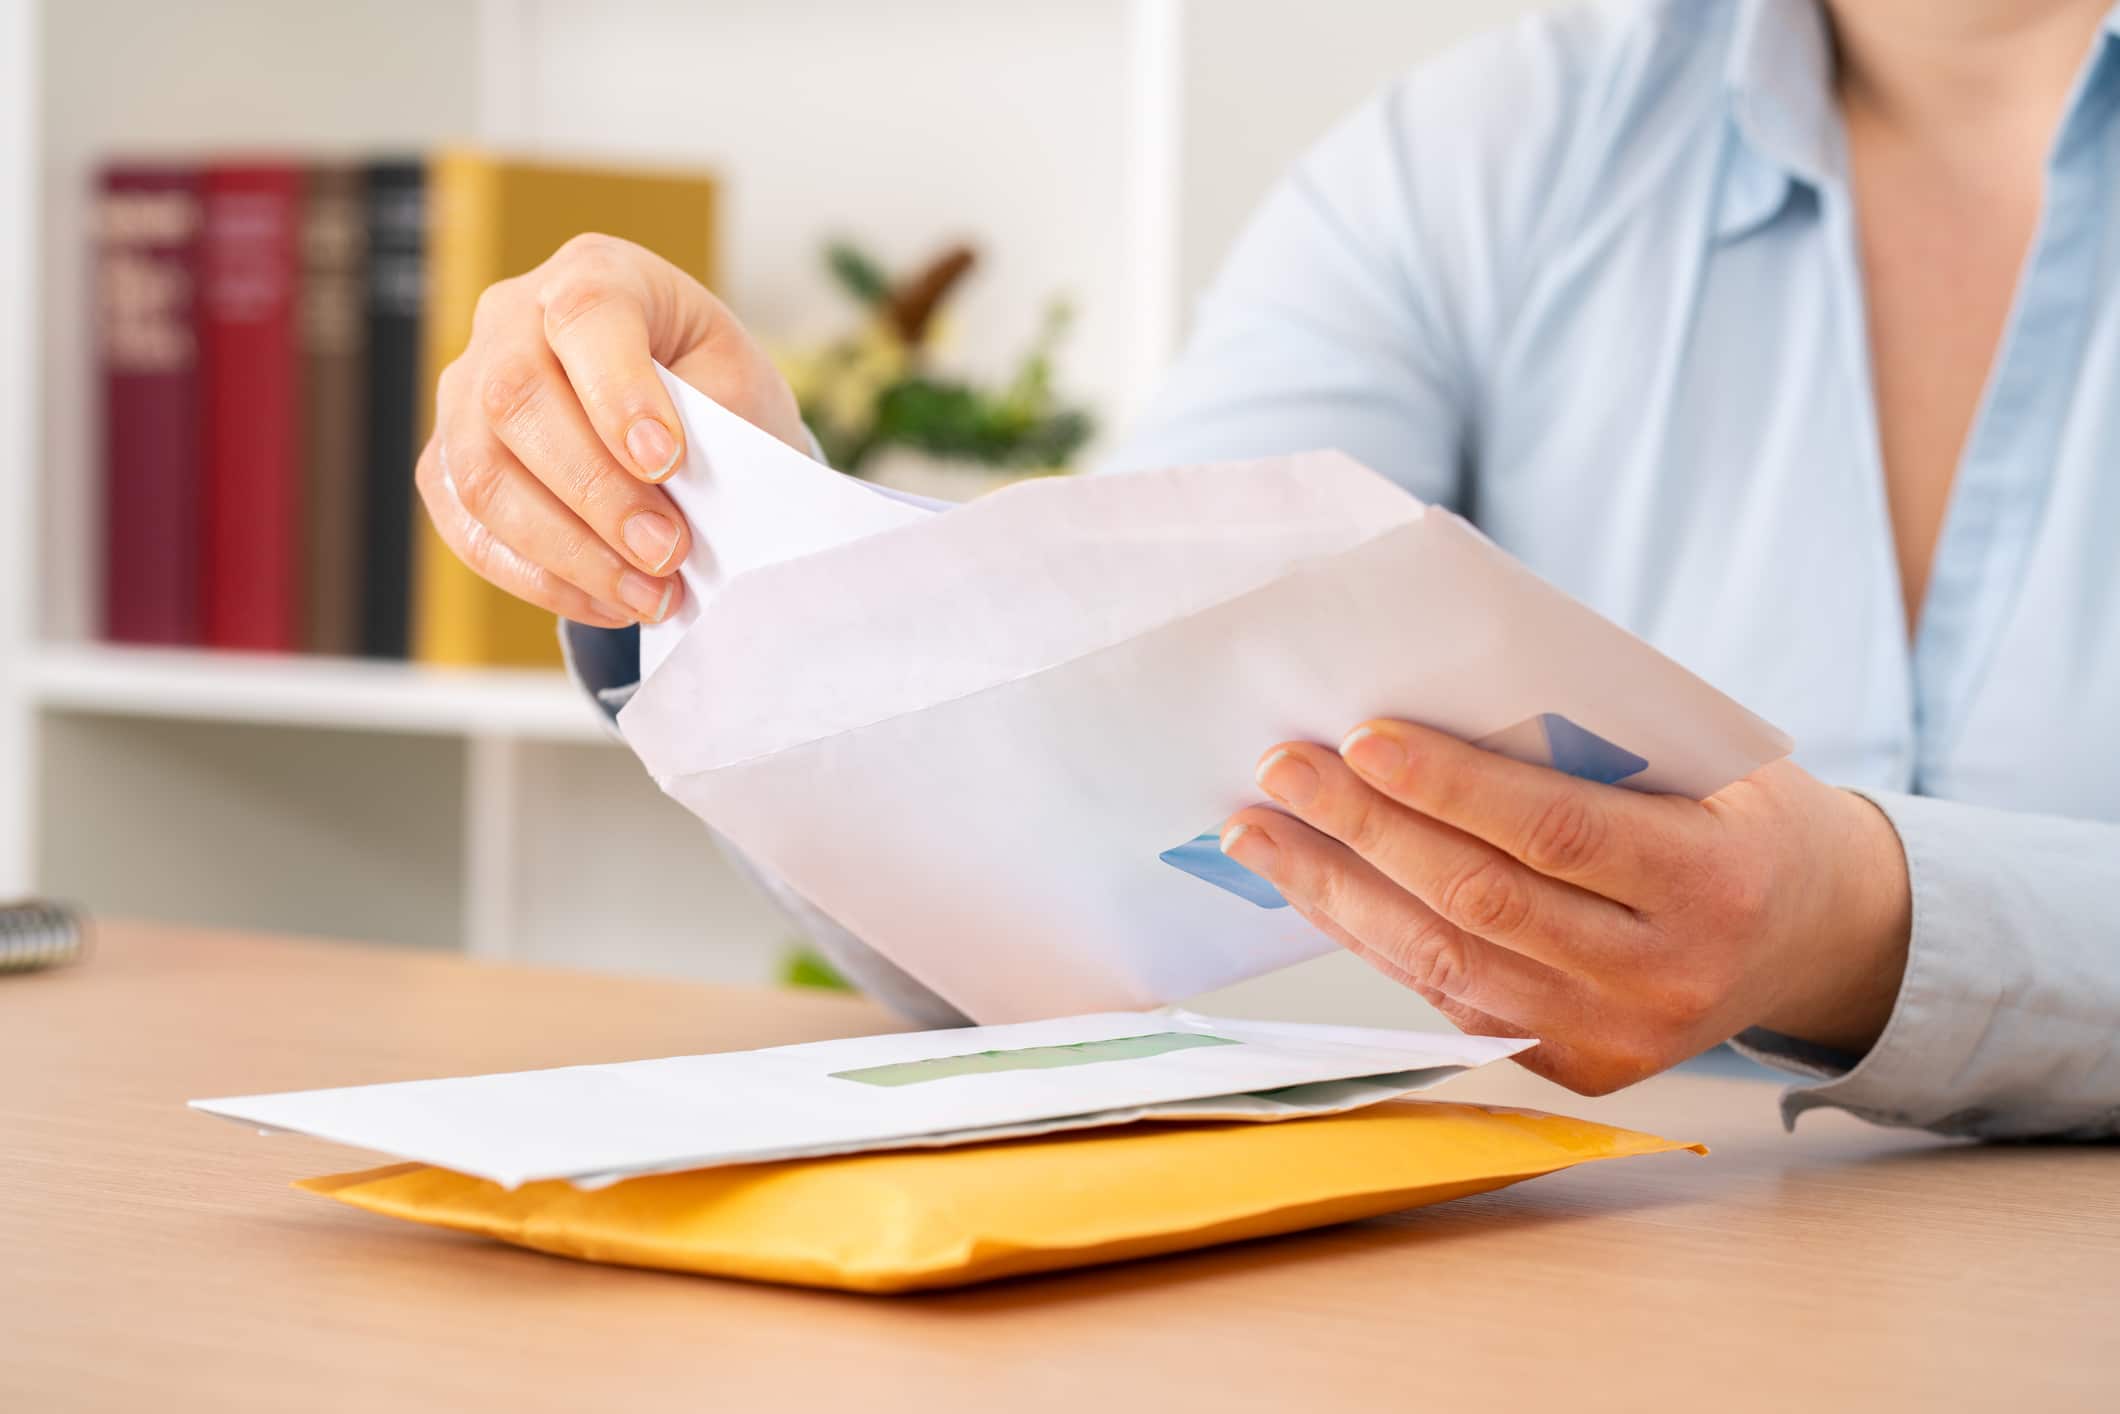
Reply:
x=880 y=409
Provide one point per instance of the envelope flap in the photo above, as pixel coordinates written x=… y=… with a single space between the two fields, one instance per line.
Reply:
x=751 y=500
x=943 y=606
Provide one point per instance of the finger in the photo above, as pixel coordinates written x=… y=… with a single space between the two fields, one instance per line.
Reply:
x=500 y=495
x=1619 y=843
x=1556 y=1060
x=525 y=398
x=1464 y=880
x=595 y=308
x=1317 y=872
x=492 y=559
x=1467 y=1019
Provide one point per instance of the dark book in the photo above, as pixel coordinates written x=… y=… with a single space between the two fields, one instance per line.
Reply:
x=251 y=357
x=396 y=198
x=147 y=232
x=333 y=324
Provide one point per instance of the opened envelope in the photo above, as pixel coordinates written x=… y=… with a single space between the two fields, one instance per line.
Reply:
x=597 y=1124
x=994 y=742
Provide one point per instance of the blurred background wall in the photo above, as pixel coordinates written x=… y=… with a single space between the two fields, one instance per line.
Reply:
x=1101 y=152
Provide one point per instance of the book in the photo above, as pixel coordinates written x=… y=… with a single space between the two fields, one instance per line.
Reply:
x=494 y=218
x=395 y=198
x=147 y=233
x=251 y=361
x=332 y=321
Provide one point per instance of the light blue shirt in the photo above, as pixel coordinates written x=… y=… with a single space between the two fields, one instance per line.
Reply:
x=1593 y=281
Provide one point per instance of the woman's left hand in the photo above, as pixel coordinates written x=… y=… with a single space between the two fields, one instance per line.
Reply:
x=1626 y=931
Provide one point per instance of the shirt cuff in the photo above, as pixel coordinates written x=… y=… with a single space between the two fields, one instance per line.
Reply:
x=604 y=662
x=1946 y=1004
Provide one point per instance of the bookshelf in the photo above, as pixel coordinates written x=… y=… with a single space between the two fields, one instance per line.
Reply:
x=1102 y=148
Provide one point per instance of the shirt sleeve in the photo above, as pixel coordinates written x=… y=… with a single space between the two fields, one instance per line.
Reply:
x=1372 y=292
x=2003 y=1024
x=605 y=663
x=1322 y=330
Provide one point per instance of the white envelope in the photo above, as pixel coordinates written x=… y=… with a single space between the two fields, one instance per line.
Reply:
x=993 y=742
x=597 y=1124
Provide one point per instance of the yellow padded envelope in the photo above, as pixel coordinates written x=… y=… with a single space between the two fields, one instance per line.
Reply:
x=906 y=1219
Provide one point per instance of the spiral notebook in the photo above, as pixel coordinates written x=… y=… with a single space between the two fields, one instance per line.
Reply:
x=35 y=935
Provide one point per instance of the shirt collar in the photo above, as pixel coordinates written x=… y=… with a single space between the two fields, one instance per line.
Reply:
x=1784 y=128
x=1785 y=125
x=1780 y=82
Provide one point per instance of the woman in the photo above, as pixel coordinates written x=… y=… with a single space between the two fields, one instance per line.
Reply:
x=1779 y=332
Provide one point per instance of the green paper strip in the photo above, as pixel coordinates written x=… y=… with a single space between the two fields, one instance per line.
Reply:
x=1031 y=1058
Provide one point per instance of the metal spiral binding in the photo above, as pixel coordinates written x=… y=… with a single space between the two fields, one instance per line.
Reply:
x=34 y=935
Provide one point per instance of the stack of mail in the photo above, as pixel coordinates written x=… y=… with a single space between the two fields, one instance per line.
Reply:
x=995 y=742
x=594 y=1125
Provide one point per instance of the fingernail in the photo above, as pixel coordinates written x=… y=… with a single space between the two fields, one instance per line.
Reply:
x=650 y=598
x=652 y=537
x=612 y=611
x=1253 y=848
x=1288 y=778
x=1374 y=754
x=654 y=449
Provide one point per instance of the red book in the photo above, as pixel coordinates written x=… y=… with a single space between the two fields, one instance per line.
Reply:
x=147 y=229
x=252 y=589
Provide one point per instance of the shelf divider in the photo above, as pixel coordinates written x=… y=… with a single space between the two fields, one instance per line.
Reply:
x=20 y=401
x=492 y=802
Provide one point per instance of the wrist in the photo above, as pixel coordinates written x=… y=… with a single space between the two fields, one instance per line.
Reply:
x=1848 y=978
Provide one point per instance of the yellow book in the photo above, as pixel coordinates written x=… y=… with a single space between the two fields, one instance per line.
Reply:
x=493 y=218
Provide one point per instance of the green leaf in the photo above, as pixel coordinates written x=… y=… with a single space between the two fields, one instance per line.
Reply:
x=857 y=274
x=804 y=966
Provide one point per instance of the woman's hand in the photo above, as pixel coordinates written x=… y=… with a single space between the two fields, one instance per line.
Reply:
x=1626 y=931
x=552 y=430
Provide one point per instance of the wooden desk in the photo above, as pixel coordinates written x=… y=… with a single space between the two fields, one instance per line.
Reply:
x=155 y=1258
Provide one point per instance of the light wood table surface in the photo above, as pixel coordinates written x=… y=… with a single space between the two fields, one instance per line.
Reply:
x=152 y=1258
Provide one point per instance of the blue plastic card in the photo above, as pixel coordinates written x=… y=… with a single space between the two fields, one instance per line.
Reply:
x=1550 y=739
x=1202 y=857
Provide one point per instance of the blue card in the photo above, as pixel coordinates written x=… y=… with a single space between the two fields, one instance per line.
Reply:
x=1202 y=857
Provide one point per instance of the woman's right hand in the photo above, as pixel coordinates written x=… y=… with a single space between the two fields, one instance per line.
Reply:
x=552 y=429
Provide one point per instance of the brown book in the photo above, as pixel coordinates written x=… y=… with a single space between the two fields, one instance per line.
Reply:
x=333 y=321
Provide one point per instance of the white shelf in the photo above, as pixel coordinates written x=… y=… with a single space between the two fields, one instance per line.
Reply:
x=311 y=692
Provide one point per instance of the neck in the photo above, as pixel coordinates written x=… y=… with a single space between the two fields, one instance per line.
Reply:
x=1946 y=66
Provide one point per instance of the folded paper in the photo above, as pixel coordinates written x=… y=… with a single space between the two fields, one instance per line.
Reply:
x=597 y=1124
x=907 y=1220
x=982 y=739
